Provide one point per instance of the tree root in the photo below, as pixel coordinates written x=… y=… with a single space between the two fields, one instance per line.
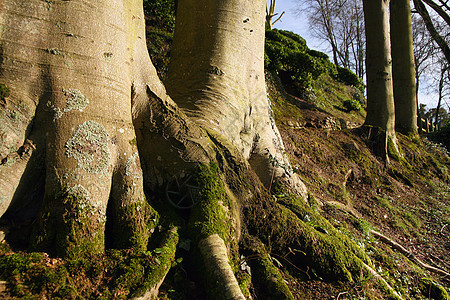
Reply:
x=265 y=276
x=391 y=242
x=408 y=254
x=12 y=168
x=382 y=281
x=219 y=272
x=167 y=256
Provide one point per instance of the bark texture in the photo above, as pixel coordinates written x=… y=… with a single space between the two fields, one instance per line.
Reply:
x=217 y=78
x=89 y=123
x=403 y=67
x=380 y=96
x=71 y=66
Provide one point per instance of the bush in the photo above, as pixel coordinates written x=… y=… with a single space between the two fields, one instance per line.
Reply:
x=287 y=52
x=347 y=77
x=160 y=14
x=351 y=105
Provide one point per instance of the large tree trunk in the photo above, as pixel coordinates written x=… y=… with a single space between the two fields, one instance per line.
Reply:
x=380 y=95
x=219 y=83
x=70 y=67
x=403 y=67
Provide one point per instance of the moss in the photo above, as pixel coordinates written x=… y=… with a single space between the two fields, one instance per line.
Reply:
x=4 y=91
x=432 y=289
x=395 y=151
x=132 y=142
x=265 y=276
x=132 y=225
x=119 y=274
x=317 y=244
x=211 y=213
x=71 y=225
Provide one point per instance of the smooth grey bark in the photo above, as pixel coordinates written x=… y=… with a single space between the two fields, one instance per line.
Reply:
x=216 y=77
x=380 y=96
x=403 y=71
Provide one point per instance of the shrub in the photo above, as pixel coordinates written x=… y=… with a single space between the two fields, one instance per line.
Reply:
x=351 y=105
x=287 y=52
x=160 y=14
x=443 y=135
x=347 y=77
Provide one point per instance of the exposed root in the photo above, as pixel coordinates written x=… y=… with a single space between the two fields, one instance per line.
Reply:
x=265 y=276
x=391 y=242
x=167 y=256
x=382 y=282
x=408 y=254
x=215 y=257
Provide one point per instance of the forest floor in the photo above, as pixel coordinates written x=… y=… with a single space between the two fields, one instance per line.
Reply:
x=406 y=200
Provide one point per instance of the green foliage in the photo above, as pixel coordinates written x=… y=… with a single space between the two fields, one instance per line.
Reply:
x=4 y=91
x=160 y=21
x=352 y=104
x=347 y=77
x=160 y=14
x=287 y=52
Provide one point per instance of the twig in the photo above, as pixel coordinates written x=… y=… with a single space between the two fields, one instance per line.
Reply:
x=408 y=254
x=340 y=294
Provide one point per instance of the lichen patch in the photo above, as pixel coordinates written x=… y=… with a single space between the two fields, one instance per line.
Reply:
x=89 y=146
x=132 y=166
x=75 y=100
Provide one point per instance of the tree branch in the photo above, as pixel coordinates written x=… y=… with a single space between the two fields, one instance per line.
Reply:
x=421 y=9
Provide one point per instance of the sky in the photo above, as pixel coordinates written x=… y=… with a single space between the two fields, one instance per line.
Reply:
x=293 y=20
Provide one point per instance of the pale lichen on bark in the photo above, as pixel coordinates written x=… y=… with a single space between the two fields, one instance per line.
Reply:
x=89 y=146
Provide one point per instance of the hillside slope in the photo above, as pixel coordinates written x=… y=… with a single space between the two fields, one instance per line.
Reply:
x=408 y=200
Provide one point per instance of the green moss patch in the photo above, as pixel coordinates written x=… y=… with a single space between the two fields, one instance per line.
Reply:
x=132 y=225
x=4 y=91
x=118 y=274
x=71 y=224
x=211 y=214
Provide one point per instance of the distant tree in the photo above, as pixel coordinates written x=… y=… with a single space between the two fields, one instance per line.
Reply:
x=424 y=50
x=341 y=24
x=270 y=13
x=443 y=92
x=439 y=35
x=403 y=71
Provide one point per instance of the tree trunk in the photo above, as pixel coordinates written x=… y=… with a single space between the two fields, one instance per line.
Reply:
x=380 y=96
x=66 y=73
x=403 y=67
x=222 y=87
